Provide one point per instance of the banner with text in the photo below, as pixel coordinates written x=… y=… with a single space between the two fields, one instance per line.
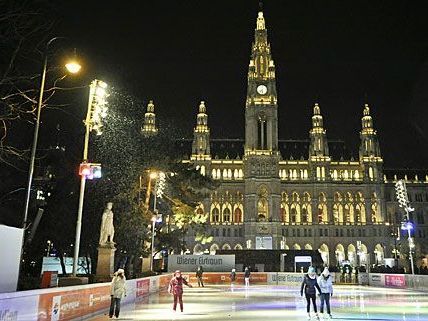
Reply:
x=209 y=263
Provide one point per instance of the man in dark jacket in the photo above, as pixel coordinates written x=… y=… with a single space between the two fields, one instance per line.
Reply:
x=308 y=285
x=199 y=274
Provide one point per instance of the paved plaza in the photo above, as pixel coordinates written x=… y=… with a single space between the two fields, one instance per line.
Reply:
x=261 y=303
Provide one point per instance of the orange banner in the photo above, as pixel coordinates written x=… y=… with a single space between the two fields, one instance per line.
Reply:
x=67 y=305
x=224 y=278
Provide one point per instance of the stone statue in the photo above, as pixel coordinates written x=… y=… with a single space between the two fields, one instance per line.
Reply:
x=107 y=228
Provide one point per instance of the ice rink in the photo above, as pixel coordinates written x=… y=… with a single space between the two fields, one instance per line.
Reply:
x=260 y=302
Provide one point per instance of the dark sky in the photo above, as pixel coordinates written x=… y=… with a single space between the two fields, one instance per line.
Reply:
x=337 y=52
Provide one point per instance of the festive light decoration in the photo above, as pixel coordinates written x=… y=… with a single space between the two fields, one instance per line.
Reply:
x=160 y=184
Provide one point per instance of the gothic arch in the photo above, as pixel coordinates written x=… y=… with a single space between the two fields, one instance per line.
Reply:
x=227 y=213
x=324 y=251
x=238 y=247
x=215 y=213
x=226 y=246
x=213 y=248
x=322 y=208
x=198 y=249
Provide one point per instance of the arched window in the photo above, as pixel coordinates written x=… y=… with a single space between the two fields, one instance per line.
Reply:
x=237 y=215
x=304 y=215
x=262 y=209
x=293 y=215
x=203 y=170
x=226 y=214
x=214 y=174
x=215 y=215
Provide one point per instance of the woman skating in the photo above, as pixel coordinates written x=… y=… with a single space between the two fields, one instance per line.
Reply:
x=117 y=292
x=325 y=282
x=176 y=289
x=308 y=285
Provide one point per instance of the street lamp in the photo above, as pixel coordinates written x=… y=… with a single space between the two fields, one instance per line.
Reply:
x=159 y=190
x=97 y=110
x=403 y=201
x=72 y=67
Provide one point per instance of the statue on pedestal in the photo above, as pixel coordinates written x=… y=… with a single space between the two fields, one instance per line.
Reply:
x=107 y=228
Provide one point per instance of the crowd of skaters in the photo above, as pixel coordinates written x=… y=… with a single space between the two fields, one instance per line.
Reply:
x=310 y=285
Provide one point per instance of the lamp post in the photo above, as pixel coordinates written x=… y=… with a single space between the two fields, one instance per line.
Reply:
x=72 y=67
x=97 y=110
x=403 y=201
x=159 y=188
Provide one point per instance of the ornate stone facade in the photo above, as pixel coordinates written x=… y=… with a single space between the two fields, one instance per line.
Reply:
x=302 y=194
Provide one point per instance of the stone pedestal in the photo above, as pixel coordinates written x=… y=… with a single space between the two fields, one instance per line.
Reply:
x=105 y=266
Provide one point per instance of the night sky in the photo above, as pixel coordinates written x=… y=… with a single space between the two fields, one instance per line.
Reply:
x=339 y=53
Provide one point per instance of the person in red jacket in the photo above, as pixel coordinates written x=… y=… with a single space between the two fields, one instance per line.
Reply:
x=176 y=289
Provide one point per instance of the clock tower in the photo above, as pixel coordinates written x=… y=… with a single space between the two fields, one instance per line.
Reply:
x=261 y=159
x=261 y=120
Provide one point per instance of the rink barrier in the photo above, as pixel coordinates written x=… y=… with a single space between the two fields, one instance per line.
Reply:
x=81 y=302
x=403 y=281
x=73 y=302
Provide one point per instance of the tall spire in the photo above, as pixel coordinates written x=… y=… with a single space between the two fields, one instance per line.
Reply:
x=149 y=126
x=319 y=145
x=369 y=143
x=201 y=135
x=261 y=106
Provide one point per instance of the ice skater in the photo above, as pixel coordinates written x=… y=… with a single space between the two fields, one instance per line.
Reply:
x=176 y=289
x=325 y=282
x=117 y=292
x=199 y=274
x=308 y=285
x=247 y=275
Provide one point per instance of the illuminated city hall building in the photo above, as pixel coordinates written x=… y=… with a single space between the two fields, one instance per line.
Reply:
x=300 y=194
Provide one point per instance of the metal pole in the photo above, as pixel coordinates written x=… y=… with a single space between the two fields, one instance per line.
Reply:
x=410 y=250
x=83 y=179
x=34 y=147
x=153 y=232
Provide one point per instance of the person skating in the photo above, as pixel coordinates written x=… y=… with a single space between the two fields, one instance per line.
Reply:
x=325 y=283
x=176 y=289
x=117 y=292
x=199 y=274
x=232 y=276
x=247 y=275
x=308 y=286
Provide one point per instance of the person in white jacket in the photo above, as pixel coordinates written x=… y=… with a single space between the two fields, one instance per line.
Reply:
x=117 y=292
x=325 y=282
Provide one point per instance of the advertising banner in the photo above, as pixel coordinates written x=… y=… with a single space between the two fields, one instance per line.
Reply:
x=224 y=278
x=209 y=263
x=376 y=279
x=67 y=305
x=291 y=279
x=142 y=288
x=154 y=284
x=395 y=280
x=10 y=251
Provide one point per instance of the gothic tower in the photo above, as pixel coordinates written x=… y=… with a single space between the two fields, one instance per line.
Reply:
x=201 y=154
x=319 y=146
x=318 y=149
x=370 y=157
x=149 y=127
x=261 y=159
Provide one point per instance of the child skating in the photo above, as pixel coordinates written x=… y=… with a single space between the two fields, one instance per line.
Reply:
x=325 y=282
x=308 y=286
x=176 y=289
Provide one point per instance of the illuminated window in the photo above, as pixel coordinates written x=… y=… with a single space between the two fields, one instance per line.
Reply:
x=238 y=215
x=215 y=215
x=226 y=214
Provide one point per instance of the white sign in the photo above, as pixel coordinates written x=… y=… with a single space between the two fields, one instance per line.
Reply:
x=209 y=263
x=263 y=242
x=306 y=259
x=10 y=252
